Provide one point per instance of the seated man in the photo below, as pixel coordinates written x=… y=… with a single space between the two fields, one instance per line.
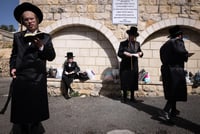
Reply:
x=70 y=70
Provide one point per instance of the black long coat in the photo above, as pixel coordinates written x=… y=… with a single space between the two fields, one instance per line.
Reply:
x=29 y=98
x=129 y=66
x=68 y=79
x=173 y=55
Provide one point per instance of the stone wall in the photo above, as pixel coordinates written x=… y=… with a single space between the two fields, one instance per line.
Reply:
x=111 y=89
x=5 y=50
x=154 y=20
x=85 y=27
x=4 y=67
x=150 y=11
x=91 y=49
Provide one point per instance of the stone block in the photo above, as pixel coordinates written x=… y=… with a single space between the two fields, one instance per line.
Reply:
x=151 y=9
x=164 y=9
x=91 y=8
x=175 y=9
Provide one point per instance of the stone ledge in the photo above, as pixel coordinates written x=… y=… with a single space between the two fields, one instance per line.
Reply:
x=98 y=87
x=52 y=80
x=87 y=81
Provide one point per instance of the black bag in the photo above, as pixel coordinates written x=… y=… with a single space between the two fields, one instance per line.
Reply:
x=141 y=75
x=52 y=73
x=83 y=76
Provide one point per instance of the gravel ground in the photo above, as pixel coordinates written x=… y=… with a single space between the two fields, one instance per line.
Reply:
x=102 y=115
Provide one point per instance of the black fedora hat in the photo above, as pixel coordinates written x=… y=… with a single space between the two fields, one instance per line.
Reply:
x=133 y=31
x=27 y=7
x=174 y=31
x=69 y=55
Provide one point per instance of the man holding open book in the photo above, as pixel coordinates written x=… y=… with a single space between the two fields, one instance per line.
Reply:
x=31 y=50
x=173 y=56
x=129 y=51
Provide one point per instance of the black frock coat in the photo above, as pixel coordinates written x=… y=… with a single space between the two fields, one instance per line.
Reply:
x=129 y=66
x=29 y=102
x=68 y=79
x=173 y=55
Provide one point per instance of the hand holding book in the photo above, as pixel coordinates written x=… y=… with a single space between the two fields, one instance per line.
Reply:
x=190 y=54
x=36 y=38
x=133 y=54
x=30 y=37
x=137 y=54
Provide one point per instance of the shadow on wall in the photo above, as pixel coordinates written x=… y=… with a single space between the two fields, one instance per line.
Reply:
x=110 y=83
x=91 y=48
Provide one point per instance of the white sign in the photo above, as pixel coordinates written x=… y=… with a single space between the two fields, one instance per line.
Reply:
x=125 y=12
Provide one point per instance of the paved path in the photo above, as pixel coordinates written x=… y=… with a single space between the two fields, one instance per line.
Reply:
x=102 y=115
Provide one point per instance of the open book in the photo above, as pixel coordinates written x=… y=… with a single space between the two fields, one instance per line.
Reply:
x=30 y=36
x=136 y=55
x=190 y=54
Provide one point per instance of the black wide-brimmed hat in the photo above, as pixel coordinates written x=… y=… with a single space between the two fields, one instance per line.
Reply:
x=27 y=7
x=174 y=31
x=133 y=31
x=69 y=55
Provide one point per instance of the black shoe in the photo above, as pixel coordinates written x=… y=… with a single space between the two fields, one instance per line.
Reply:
x=124 y=100
x=66 y=97
x=165 y=115
x=136 y=101
x=37 y=128
x=71 y=91
x=175 y=113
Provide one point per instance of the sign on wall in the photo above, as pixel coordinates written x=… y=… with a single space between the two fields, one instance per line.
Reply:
x=125 y=12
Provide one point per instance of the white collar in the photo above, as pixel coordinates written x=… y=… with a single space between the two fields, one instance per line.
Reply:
x=32 y=32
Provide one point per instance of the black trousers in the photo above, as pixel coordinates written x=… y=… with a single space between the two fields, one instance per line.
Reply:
x=170 y=106
x=125 y=94
x=67 y=83
x=29 y=128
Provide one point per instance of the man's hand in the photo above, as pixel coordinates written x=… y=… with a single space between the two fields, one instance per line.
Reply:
x=71 y=72
x=128 y=54
x=13 y=73
x=38 y=43
x=66 y=73
x=140 y=54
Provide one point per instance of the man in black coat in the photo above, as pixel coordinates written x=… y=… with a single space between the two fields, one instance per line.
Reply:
x=129 y=51
x=70 y=72
x=173 y=55
x=29 y=104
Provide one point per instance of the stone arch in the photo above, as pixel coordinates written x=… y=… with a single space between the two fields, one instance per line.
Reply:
x=84 y=22
x=99 y=43
x=195 y=24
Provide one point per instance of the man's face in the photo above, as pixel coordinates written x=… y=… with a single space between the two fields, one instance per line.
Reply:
x=70 y=59
x=30 y=21
x=131 y=38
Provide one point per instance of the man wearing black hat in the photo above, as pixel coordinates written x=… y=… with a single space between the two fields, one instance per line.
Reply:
x=70 y=70
x=29 y=105
x=173 y=55
x=129 y=51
